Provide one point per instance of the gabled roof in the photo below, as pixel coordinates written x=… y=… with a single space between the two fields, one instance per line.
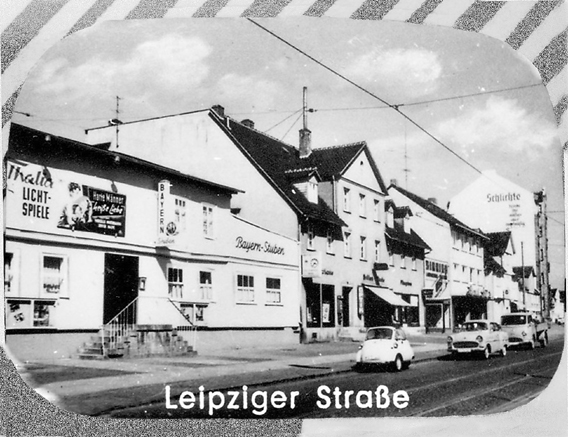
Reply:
x=26 y=142
x=410 y=239
x=492 y=266
x=277 y=162
x=498 y=243
x=437 y=211
x=523 y=272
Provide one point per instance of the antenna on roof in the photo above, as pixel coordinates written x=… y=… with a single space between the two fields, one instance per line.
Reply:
x=405 y=169
x=305 y=133
x=116 y=121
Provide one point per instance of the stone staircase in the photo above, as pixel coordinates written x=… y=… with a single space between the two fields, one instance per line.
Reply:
x=138 y=341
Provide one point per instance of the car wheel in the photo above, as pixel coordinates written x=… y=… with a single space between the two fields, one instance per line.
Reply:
x=544 y=340
x=531 y=344
x=397 y=364
x=486 y=352
x=504 y=351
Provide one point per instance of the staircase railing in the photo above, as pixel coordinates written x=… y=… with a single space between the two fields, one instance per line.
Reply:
x=119 y=327
x=192 y=327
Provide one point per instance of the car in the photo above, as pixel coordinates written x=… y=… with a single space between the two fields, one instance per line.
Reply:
x=524 y=329
x=481 y=337
x=385 y=346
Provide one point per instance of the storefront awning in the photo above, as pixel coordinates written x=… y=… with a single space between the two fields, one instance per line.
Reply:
x=388 y=296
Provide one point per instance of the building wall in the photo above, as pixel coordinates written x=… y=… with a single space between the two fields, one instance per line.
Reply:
x=194 y=144
x=494 y=204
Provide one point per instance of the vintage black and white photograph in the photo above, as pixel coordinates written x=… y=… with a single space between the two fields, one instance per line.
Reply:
x=291 y=218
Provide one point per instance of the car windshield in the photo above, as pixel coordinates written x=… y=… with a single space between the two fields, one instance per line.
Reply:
x=379 y=334
x=474 y=326
x=513 y=320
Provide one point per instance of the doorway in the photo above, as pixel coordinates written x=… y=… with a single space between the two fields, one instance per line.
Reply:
x=120 y=285
x=346 y=310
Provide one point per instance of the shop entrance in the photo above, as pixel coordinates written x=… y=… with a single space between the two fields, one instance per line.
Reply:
x=346 y=310
x=120 y=285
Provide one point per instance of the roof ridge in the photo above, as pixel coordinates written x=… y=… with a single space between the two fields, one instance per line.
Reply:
x=282 y=143
x=339 y=146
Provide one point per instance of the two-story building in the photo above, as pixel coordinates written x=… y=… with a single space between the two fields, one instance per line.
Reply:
x=92 y=232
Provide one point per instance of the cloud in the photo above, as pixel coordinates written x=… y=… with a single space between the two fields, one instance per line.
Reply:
x=411 y=72
x=502 y=125
x=261 y=93
x=165 y=66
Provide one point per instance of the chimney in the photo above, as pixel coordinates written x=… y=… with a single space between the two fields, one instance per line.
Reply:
x=248 y=123
x=305 y=133
x=393 y=182
x=219 y=110
x=433 y=200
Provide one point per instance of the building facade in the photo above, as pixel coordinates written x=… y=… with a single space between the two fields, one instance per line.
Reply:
x=91 y=231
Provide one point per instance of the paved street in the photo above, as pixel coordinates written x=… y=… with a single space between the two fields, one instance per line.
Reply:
x=435 y=384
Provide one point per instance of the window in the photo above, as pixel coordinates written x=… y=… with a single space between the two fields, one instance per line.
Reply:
x=362 y=205
x=8 y=272
x=245 y=288
x=208 y=229
x=180 y=214
x=175 y=283
x=273 y=290
x=403 y=261
x=27 y=313
x=205 y=285
x=329 y=240
x=413 y=263
x=390 y=218
x=377 y=210
x=346 y=200
x=194 y=313
x=391 y=258
x=53 y=274
x=347 y=244
x=311 y=237
x=363 y=248
x=377 y=251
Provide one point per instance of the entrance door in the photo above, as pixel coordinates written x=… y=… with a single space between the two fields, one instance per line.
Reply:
x=346 y=312
x=120 y=285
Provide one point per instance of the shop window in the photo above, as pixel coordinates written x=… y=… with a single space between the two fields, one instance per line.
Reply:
x=9 y=273
x=53 y=274
x=175 y=283
x=347 y=244
x=206 y=285
x=29 y=313
x=377 y=210
x=273 y=294
x=311 y=236
x=363 y=248
x=208 y=221
x=245 y=288
x=362 y=205
x=346 y=200
x=329 y=241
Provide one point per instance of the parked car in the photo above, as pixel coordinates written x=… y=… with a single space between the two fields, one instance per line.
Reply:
x=385 y=345
x=524 y=329
x=479 y=337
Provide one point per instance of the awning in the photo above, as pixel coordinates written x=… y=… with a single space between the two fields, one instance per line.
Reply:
x=388 y=296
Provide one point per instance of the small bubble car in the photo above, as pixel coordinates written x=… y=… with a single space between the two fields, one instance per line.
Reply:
x=387 y=346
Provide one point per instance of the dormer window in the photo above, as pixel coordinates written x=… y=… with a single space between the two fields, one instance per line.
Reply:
x=313 y=190
x=390 y=217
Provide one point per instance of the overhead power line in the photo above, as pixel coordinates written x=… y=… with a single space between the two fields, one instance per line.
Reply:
x=390 y=105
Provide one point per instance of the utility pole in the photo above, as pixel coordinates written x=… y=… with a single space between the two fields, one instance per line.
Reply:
x=406 y=169
x=542 y=264
x=523 y=273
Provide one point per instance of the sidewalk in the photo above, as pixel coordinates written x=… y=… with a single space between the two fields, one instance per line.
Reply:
x=94 y=387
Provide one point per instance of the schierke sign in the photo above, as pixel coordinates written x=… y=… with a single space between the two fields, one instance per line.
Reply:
x=254 y=246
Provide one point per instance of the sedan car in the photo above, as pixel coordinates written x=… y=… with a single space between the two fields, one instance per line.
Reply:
x=385 y=345
x=479 y=337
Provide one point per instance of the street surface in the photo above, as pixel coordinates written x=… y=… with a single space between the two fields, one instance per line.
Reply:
x=441 y=387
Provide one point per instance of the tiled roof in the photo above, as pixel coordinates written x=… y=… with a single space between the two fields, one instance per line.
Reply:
x=278 y=162
x=437 y=211
x=498 y=243
x=411 y=239
x=492 y=266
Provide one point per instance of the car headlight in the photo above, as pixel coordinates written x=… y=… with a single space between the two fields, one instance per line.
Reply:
x=450 y=340
x=395 y=345
x=479 y=339
x=524 y=334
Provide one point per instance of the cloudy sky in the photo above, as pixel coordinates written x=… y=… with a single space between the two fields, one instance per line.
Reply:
x=476 y=95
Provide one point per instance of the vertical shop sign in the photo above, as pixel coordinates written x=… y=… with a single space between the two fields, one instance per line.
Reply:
x=360 y=291
x=167 y=228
